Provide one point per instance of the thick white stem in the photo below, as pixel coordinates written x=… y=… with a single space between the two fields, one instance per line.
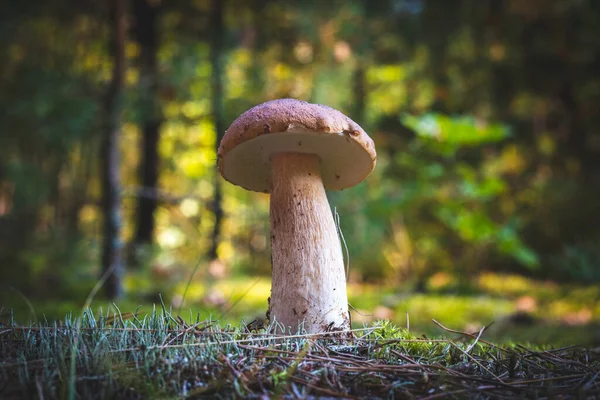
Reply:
x=309 y=282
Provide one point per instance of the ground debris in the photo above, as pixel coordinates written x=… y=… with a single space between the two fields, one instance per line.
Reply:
x=162 y=356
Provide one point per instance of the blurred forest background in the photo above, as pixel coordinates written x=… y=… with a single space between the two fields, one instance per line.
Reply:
x=485 y=113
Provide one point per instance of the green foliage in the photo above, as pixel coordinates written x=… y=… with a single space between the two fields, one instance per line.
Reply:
x=447 y=135
x=579 y=263
x=487 y=153
x=438 y=200
x=466 y=195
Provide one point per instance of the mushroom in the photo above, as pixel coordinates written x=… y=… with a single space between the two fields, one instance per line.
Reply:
x=295 y=150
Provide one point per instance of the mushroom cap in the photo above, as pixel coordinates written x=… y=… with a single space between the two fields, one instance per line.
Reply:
x=347 y=153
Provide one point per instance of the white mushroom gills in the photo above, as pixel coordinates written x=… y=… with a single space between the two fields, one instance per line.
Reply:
x=309 y=282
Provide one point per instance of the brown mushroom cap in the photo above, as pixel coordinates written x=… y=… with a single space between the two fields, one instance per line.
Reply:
x=347 y=153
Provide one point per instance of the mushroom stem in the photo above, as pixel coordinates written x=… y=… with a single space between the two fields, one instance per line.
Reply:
x=309 y=282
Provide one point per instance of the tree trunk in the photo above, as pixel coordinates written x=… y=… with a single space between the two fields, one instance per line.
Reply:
x=150 y=118
x=359 y=94
x=216 y=56
x=111 y=257
x=82 y=171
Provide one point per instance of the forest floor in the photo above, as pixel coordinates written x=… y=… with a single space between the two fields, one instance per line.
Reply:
x=125 y=355
x=507 y=336
x=515 y=309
